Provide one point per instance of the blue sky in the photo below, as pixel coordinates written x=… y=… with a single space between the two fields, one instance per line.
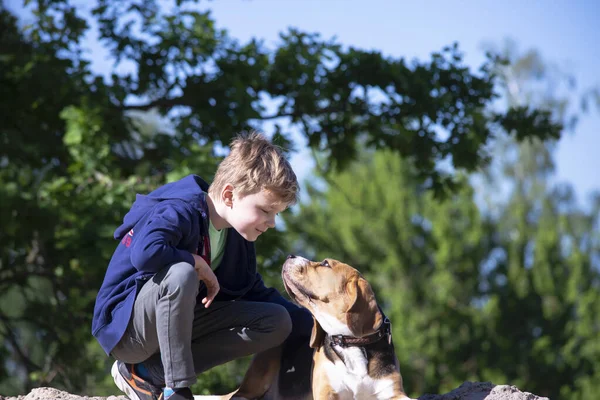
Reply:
x=565 y=32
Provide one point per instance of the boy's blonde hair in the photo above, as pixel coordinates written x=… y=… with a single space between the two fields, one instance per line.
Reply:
x=256 y=164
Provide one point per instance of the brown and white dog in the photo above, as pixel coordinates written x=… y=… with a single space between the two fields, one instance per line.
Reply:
x=351 y=354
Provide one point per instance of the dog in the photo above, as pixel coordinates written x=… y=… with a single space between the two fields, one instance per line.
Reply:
x=351 y=354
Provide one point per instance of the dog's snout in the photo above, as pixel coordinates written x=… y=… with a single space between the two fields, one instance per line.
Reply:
x=294 y=262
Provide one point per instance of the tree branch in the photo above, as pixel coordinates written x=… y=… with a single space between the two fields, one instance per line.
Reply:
x=178 y=101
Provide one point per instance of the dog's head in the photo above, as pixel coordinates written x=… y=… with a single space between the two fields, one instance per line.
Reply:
x=339 y=298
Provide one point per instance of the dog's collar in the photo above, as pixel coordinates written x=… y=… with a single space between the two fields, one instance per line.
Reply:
x=384 y=331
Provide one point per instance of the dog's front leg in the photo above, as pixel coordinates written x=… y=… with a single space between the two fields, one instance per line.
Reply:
x=325 y=392
x=321 y=387
x=260 y=375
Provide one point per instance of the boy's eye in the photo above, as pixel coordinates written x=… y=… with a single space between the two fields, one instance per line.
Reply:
x=263 y=210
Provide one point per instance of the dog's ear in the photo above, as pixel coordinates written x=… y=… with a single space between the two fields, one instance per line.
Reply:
x=317 y=336
x=363 y=315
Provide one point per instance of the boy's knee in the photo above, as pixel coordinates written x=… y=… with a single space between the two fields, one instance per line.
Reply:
x=182 y=276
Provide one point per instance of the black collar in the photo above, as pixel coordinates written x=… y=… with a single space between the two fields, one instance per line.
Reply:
x=384 y=331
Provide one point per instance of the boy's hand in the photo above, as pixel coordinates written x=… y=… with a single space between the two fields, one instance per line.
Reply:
x=206 y=275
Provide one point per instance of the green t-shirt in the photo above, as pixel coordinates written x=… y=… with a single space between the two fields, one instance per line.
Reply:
x=217 y=244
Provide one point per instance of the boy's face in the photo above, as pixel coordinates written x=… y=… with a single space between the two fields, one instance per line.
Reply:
x=252 y=214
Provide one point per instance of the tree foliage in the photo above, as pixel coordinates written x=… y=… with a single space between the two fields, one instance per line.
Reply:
x=497 y=282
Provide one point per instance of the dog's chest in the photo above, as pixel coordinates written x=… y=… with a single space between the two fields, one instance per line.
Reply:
x=350 y=378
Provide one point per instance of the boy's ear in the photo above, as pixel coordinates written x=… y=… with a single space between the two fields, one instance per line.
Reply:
x=227 y=195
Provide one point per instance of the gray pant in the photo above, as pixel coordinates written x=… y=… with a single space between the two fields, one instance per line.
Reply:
x=177 y=339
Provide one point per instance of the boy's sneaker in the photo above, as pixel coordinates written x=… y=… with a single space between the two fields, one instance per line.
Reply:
x=132 y=385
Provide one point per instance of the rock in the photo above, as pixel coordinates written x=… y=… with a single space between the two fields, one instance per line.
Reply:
x=466 y=391
x=48 y=393
x=483 y=391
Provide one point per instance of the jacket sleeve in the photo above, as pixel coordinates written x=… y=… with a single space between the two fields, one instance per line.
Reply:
x=302 y=321
x=155 y=244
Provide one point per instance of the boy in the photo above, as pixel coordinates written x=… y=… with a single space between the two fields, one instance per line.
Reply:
x=146 y=314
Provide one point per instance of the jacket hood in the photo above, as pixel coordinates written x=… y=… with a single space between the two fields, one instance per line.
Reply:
x=190 y=189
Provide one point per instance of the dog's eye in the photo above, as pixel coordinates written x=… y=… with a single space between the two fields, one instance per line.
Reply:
x=325 y=263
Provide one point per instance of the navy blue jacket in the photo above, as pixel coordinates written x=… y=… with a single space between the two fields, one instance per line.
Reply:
x=161 y=229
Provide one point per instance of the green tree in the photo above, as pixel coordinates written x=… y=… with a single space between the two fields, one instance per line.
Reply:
x=541 y=281
x=503 y=289
x=76 y=146
x=542 y=277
